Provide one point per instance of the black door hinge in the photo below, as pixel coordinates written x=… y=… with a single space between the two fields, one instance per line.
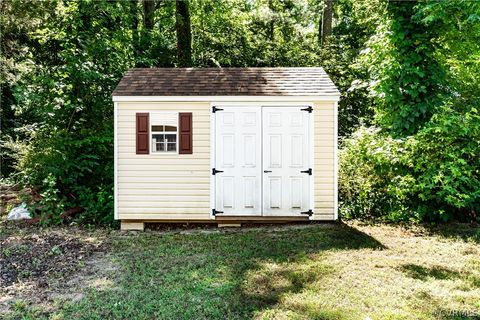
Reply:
x=214 y=212
x=215 y=171
x=309 y=171
x=215 y=109
x=309 y=109
x=309 y=212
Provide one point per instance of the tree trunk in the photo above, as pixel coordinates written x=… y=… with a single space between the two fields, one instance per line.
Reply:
x=320 y=28
x=184 y=34
x=134 y=27
x=271 y=25
x=327 y=21
x=148 y=14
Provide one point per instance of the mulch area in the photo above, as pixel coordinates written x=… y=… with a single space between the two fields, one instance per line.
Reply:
x=39 y=258
x=35 y=255
x=39 y=265
x=30 y=254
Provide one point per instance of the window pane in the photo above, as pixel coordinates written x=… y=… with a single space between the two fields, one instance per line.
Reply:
x=158 y=143
x=160 y=146
x=164 y=142
x=157 y=128
x=170 y=128
x=171 y=147
x=158 y=137
x=171 y=137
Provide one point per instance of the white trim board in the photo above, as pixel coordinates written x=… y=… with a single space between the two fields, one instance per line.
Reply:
x=335 y=164
x=212 y=162
x=327 y=98
x=115 y=161
x=311 y=142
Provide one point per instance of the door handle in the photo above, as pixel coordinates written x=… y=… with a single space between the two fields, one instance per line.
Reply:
x=309 y=171
x=266 y=171
x=215 y=171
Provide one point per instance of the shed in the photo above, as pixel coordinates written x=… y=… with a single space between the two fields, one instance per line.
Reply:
x=225 y=145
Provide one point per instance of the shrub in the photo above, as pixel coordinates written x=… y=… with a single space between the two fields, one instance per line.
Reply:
x=430 y=176
x=445 y=161
x=373 y=178
x=69 y=170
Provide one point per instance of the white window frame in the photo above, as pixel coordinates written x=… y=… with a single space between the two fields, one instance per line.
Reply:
x=152 y=123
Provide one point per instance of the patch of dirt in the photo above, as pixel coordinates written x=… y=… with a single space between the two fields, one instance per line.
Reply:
x=39 y=257
x=41 y=266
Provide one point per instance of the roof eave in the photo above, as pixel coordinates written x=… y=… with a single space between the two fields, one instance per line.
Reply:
x=290 y=98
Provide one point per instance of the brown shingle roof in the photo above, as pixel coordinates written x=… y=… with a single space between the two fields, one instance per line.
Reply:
x=226 y=82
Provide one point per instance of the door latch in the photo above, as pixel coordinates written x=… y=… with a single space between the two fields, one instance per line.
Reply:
x=215 y=109
x=309 y=171
x=266 y=171
x=309 y=109
x=214 y=212
x=215 y=171
x=309 y=212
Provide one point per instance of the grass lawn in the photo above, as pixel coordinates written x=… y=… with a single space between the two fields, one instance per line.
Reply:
x=318 y=271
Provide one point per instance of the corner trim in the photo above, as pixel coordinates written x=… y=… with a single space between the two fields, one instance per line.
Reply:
x=311 y=150
x=335 y=170
x=115 y=160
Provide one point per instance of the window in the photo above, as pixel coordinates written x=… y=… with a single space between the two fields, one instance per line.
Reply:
x=164 y=131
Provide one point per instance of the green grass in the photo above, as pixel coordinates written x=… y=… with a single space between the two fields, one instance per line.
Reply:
x=313 y=272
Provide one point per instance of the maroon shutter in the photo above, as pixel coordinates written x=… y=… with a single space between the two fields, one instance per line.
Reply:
x=142 y=133
x=185 y=133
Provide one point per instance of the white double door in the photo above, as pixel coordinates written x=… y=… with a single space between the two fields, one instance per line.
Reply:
x=260 y=153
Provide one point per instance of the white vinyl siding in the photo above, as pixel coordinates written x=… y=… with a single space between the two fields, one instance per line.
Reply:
x=324 y=159
x=170 y=186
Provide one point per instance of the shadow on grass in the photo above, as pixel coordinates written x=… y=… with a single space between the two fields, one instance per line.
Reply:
x=423 y=273
x=464 y=231
x=218 y=275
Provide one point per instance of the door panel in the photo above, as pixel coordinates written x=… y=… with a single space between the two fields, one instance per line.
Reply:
x=262 y=151
x=238 y=154
x=285 y=154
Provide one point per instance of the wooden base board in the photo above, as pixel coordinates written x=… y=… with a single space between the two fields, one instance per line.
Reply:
x=229 y=225
x=250 y=219
x=126 y=225
x=221 y=221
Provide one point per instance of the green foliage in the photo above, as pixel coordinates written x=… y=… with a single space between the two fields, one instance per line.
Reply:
x=424 y=72
x=16 y=24
x=67 y=146
x=98 y=204
x=239 y=33
x=374 y=181
x=52 y=203
x=433 y=175
x=444 y=158
x=350 y=36
x=405 y=77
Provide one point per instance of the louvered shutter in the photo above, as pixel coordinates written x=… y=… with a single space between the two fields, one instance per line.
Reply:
x=185 y=132
x=142 y=129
